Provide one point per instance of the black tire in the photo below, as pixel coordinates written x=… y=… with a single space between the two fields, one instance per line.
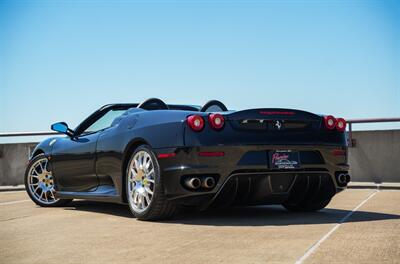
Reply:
x=58 y=202
x=160 y=207
x=306 y=206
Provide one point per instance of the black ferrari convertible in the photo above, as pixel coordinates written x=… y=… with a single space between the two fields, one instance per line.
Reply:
x=158 y=158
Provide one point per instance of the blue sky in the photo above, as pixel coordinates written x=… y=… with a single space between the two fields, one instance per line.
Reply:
x=61 y=60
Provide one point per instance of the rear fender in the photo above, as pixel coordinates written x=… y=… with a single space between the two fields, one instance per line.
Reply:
x=159 y=128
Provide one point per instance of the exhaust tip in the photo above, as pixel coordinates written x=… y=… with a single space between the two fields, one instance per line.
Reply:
x=208 y=182
x=193 y=183
x=348 y=178
x=342 y=178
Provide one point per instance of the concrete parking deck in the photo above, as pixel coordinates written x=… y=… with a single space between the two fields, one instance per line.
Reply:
x=91 y=232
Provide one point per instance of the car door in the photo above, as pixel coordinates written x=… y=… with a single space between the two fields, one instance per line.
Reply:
x=73 y=159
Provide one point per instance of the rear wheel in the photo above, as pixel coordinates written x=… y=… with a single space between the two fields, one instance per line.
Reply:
x=39 y=183
x=144 y=187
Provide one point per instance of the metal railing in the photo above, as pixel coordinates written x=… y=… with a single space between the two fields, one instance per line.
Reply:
x=28 y=134
x=351 y=141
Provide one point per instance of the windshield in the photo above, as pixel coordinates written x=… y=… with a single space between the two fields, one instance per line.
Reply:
x=104 y=122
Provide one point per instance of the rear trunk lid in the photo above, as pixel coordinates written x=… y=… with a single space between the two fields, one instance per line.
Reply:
x=273 y=120
x=267 y=126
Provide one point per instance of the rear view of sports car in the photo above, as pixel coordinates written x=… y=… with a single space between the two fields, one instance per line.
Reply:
x=158 y=158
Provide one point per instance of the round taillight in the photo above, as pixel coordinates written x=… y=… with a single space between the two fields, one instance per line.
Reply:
x=195 y=122
x=340 y=124
x=216 y=121
x=330 y=122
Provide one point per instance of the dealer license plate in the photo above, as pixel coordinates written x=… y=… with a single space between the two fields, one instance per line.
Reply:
x=285 y=159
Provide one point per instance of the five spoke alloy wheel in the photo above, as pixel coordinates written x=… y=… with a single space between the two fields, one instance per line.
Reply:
x=39 y=182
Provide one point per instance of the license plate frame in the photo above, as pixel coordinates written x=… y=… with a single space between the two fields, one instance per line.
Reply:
x=284 y=159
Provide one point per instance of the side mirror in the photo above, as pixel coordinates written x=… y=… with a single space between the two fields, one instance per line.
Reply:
x=62 y=127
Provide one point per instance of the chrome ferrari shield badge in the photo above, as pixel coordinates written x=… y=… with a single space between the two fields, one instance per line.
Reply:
x=278 y=124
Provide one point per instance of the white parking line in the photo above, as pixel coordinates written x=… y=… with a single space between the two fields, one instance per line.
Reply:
x=14 y=202
x=11 y=192
x=325 y=237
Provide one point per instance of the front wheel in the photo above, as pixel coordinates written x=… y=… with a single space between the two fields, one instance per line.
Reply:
x=39 y=183
x=144 y=187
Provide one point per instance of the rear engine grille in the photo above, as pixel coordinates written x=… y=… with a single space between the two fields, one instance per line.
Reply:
x=296 y=125
x=272 y=125
x=252 y=124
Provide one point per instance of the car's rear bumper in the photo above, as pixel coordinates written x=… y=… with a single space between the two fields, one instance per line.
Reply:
x=248 y=167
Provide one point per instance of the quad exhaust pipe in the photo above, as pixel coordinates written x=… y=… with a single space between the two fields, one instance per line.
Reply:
x=343 y=178
x=208 y=183
x=195 y=183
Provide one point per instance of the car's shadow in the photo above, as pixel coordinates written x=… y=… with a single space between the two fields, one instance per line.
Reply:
x=242 y=216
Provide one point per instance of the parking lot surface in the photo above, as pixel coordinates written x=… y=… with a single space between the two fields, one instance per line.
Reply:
x=359 y=226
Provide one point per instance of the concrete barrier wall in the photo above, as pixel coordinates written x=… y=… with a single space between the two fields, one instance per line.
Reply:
x=375 y=158
x=13 y=159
